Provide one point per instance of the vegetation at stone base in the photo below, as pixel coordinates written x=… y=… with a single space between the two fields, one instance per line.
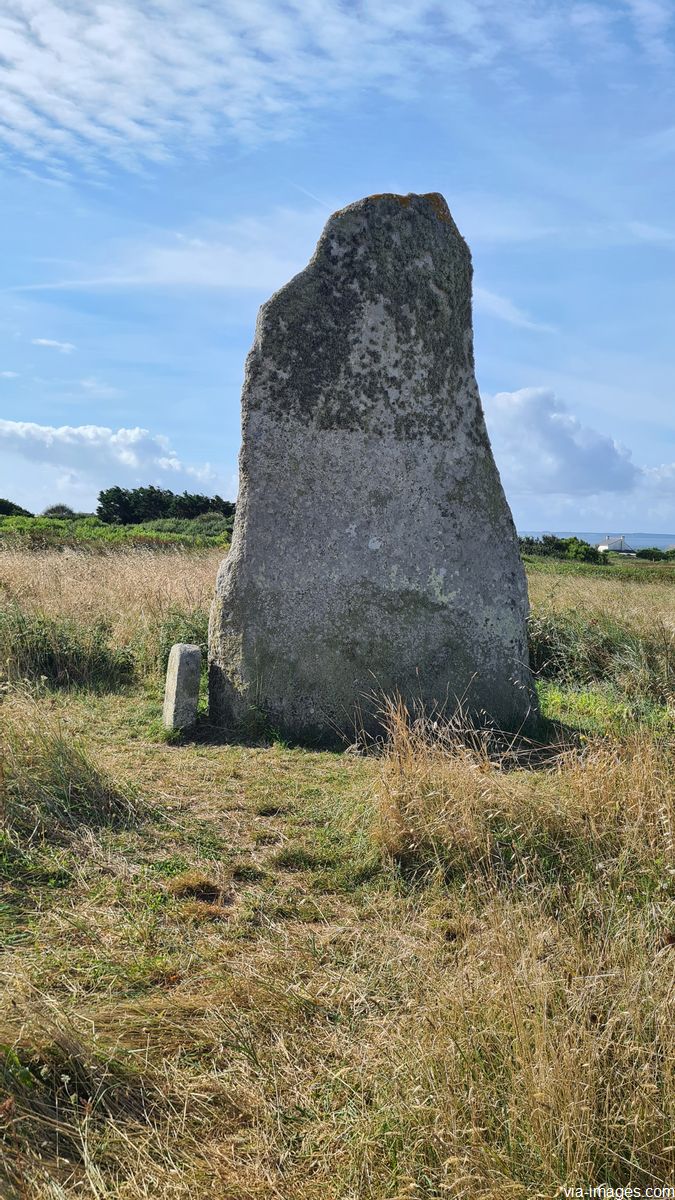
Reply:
x=101 y=622
x=60 y=650
x=577 y=648
x=88 y=532
x=256 y=971
x=135 y=506
x=608 y=642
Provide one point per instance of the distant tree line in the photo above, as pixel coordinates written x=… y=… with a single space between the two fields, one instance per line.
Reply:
x=132 y=506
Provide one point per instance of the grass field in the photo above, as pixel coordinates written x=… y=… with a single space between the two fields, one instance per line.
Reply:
x=257 y=971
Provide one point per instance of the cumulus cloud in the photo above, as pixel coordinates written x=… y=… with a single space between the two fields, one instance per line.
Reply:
x=131 y=456
x=62 y=347
x=541 y=447
x=133 y=80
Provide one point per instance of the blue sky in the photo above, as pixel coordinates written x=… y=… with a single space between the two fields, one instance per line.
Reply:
x=165 y=165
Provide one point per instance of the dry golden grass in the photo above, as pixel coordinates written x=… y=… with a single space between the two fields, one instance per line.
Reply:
x=459 y=808
x=640 y=605
x=132 y=590
x=290 y=975
x=126 y=585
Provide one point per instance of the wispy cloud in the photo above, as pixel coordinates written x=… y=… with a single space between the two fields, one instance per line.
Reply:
x=653 y=21
x=9 y=375
x=253 y=254
x=644 y=231
x=133 y=80
x=97 y=389
x=51 y=344
x=504 y=309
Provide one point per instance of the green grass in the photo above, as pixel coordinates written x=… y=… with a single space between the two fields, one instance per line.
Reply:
x=65 y=652
x=602 y=710
x=49 y=787
x=252 y=995
x=61 y=650
x=576 y=649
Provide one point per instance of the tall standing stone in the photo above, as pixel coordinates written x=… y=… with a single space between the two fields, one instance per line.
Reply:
x=373 y=547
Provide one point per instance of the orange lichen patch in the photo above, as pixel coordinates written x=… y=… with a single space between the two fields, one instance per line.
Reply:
x=439 y=206
x=404 y=201
x=436 y=200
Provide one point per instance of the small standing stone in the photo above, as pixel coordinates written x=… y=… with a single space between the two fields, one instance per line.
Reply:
x=182 y=686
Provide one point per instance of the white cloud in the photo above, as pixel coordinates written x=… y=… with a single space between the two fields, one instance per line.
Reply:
x=541 y=448
x=504 y=309
x=62 y=347
x=132 y=456
x=133 y=80
x=661 y=480
x=9 y=375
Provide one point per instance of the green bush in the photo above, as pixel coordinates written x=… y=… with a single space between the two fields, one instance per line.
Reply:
x=133 y=506
x=62 y=511
x=550 y=546
x=9 y=509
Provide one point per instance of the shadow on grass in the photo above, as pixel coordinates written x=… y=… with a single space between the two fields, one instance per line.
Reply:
x=538 y=750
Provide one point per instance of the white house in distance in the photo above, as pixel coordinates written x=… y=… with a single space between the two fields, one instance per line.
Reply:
x=617 y=544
